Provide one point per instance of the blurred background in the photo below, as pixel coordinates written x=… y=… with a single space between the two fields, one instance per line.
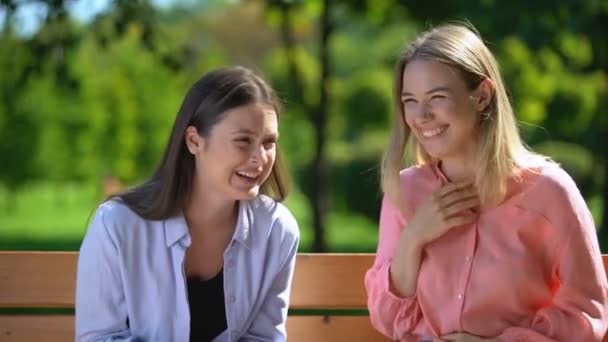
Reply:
x=89 y=90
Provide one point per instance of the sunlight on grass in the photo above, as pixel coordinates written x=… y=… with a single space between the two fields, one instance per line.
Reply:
x=42 y=215
x=42 y=212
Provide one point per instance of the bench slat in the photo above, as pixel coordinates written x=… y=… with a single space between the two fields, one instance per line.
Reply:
x=332 y=328
x=321 y=281
x=47 y=279
x=37 y=279
x=330 y=281
x=60 y=328
x=25 y=328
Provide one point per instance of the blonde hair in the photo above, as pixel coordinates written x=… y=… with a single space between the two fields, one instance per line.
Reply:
x=500 y=150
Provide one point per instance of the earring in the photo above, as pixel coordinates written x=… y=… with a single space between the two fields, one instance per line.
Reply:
x=485 y=115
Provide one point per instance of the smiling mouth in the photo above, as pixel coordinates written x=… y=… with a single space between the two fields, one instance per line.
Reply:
x=433 y=132
x=251 y=176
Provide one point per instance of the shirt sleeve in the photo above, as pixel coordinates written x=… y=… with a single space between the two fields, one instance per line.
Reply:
x=390 y=314
x=101 y=313
x=269 y=323
x=579 y=310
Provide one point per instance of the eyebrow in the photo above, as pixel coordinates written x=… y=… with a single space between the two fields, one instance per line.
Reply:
x=243 y=131
x=250 y=132
x=434 y=90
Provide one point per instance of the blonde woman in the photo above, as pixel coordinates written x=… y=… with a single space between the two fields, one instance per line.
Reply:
x=482 y=240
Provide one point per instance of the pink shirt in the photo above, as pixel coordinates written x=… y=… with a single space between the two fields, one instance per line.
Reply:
x=529 y=269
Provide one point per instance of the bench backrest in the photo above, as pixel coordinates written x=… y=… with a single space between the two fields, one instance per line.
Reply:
x=321 y=282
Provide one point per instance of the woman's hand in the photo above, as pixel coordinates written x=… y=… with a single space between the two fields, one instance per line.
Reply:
x=450 y=206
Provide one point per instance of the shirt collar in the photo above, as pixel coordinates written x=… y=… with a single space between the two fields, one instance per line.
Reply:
x=244 y=224
x=176 y=227
x=436 y=167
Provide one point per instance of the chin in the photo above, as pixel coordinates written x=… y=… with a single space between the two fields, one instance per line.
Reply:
x=248 y=194
x=436 y=152
x=436 y=156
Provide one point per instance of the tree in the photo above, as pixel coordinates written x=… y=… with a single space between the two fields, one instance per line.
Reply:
x=129 y=107
x=317 y=109
x=18 y=129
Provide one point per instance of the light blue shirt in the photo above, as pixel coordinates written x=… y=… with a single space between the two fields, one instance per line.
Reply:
x=131 y=282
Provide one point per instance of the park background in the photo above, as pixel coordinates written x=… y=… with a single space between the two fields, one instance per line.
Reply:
x=89 y=90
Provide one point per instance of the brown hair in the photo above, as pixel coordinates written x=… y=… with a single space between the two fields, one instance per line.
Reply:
x=218 y=91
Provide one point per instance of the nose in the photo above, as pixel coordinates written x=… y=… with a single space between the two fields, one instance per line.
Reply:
x=419 y=112
x=259 y=155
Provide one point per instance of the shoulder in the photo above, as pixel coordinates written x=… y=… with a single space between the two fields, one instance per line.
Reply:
x=115 y=211
x=551 y=192
x=116 y=221
x=552 y=182
x=274 y=218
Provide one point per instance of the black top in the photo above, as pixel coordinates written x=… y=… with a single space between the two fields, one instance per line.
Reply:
x=207 y=310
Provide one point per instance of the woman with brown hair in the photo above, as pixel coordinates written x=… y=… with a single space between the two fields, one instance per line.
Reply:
x=203 y=250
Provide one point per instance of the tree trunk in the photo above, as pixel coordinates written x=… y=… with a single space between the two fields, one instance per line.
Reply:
x=318 y=196
x=320 y=184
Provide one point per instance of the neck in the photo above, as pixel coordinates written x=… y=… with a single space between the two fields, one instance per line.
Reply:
x=206 y=211
x=457 y=169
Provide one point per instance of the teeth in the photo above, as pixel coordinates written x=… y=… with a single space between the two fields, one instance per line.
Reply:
x=433 y=132
x=247 y=174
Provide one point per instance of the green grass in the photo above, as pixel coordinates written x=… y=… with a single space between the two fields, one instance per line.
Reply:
x=45 y=217
x=51 y=217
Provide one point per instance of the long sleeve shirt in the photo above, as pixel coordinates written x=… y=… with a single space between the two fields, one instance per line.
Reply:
x=131 y=283
x=529 y=269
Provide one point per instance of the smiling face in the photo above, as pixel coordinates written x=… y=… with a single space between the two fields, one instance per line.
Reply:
x=439 y=109
x=237 y=156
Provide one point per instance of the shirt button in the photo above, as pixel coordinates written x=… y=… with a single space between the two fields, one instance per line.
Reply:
x=460 y=296
x=468 y=258
x=232 y=299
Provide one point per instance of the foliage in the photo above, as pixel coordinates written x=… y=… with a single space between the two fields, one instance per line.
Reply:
x=80 y=101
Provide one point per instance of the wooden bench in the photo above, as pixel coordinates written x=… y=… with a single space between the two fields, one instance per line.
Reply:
x=322 y=282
